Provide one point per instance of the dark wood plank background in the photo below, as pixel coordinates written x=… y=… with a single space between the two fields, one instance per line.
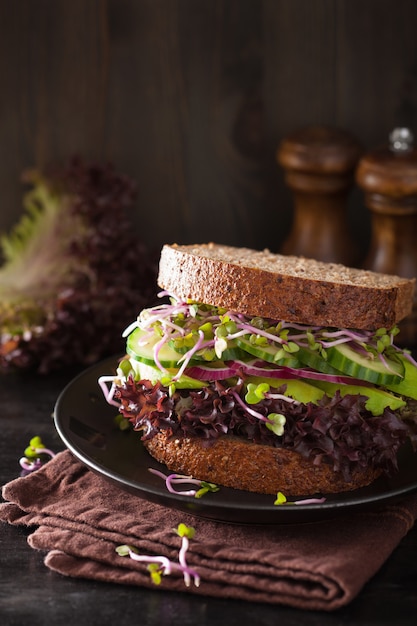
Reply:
x=191 y=98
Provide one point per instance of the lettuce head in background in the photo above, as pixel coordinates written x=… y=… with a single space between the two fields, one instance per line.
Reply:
x=72 y=271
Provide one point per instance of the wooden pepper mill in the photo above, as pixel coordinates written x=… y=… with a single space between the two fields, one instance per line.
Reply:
x=388 y=177
x=319 y=164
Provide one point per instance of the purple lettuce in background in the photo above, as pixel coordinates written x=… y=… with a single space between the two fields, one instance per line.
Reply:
x=74 y=273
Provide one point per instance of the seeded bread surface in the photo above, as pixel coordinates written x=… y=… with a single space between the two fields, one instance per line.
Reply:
x=240 y=464
x=294 y=289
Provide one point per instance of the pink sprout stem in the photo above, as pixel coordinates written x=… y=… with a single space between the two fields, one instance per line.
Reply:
x=30 y=466
x=183 y=562
x=280 y=396
x=108 y=392
x=177 y=479
x=168 y=566
x=310 y=501
x=156 y=350
x=199 y=345
x=252 y=412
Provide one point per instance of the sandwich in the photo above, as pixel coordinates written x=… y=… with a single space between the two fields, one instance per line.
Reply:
x=270 y=373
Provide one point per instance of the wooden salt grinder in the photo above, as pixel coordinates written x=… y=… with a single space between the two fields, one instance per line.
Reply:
x=319 y=164
x=388 y=177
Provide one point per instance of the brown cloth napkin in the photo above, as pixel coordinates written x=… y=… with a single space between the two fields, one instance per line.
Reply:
x=81 y=519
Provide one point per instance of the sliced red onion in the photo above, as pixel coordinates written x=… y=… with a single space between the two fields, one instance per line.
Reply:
x=257 y=368
x=210 y=373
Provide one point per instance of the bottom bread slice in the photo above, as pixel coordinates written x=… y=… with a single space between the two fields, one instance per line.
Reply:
x=232 y=462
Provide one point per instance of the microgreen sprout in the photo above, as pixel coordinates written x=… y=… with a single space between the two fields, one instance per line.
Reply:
x=186 y=533
x=282 y=499
x=159 y=566
x=274 y=421
x=179 y=479
x=255 y=392
x=34 y=455
x=383 y=340
x=206 y=331
x=121 y=422
x=220 y=345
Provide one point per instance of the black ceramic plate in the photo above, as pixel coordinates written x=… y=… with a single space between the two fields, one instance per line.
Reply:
x=85 y=422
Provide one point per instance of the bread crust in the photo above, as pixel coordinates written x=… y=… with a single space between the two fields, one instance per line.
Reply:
x=240 y=464
x=295 y=289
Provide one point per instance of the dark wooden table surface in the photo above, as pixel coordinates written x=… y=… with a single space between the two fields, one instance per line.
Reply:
x=31 y=594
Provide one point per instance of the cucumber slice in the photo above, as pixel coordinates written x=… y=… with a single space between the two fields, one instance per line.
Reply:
x=359 y=365
x=313 y=359
x=231 y=353
x=140 y=347
x=267 y=353
x=143 y=371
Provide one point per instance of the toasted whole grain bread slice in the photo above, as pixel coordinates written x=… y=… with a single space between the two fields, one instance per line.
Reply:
x=240 y=464
x=294 y=289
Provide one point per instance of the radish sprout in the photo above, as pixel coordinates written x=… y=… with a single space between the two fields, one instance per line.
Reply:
x=159 y=566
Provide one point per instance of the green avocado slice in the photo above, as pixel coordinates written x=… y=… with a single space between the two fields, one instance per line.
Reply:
x=296 y=388
x=408 y=385
x=378 y=399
